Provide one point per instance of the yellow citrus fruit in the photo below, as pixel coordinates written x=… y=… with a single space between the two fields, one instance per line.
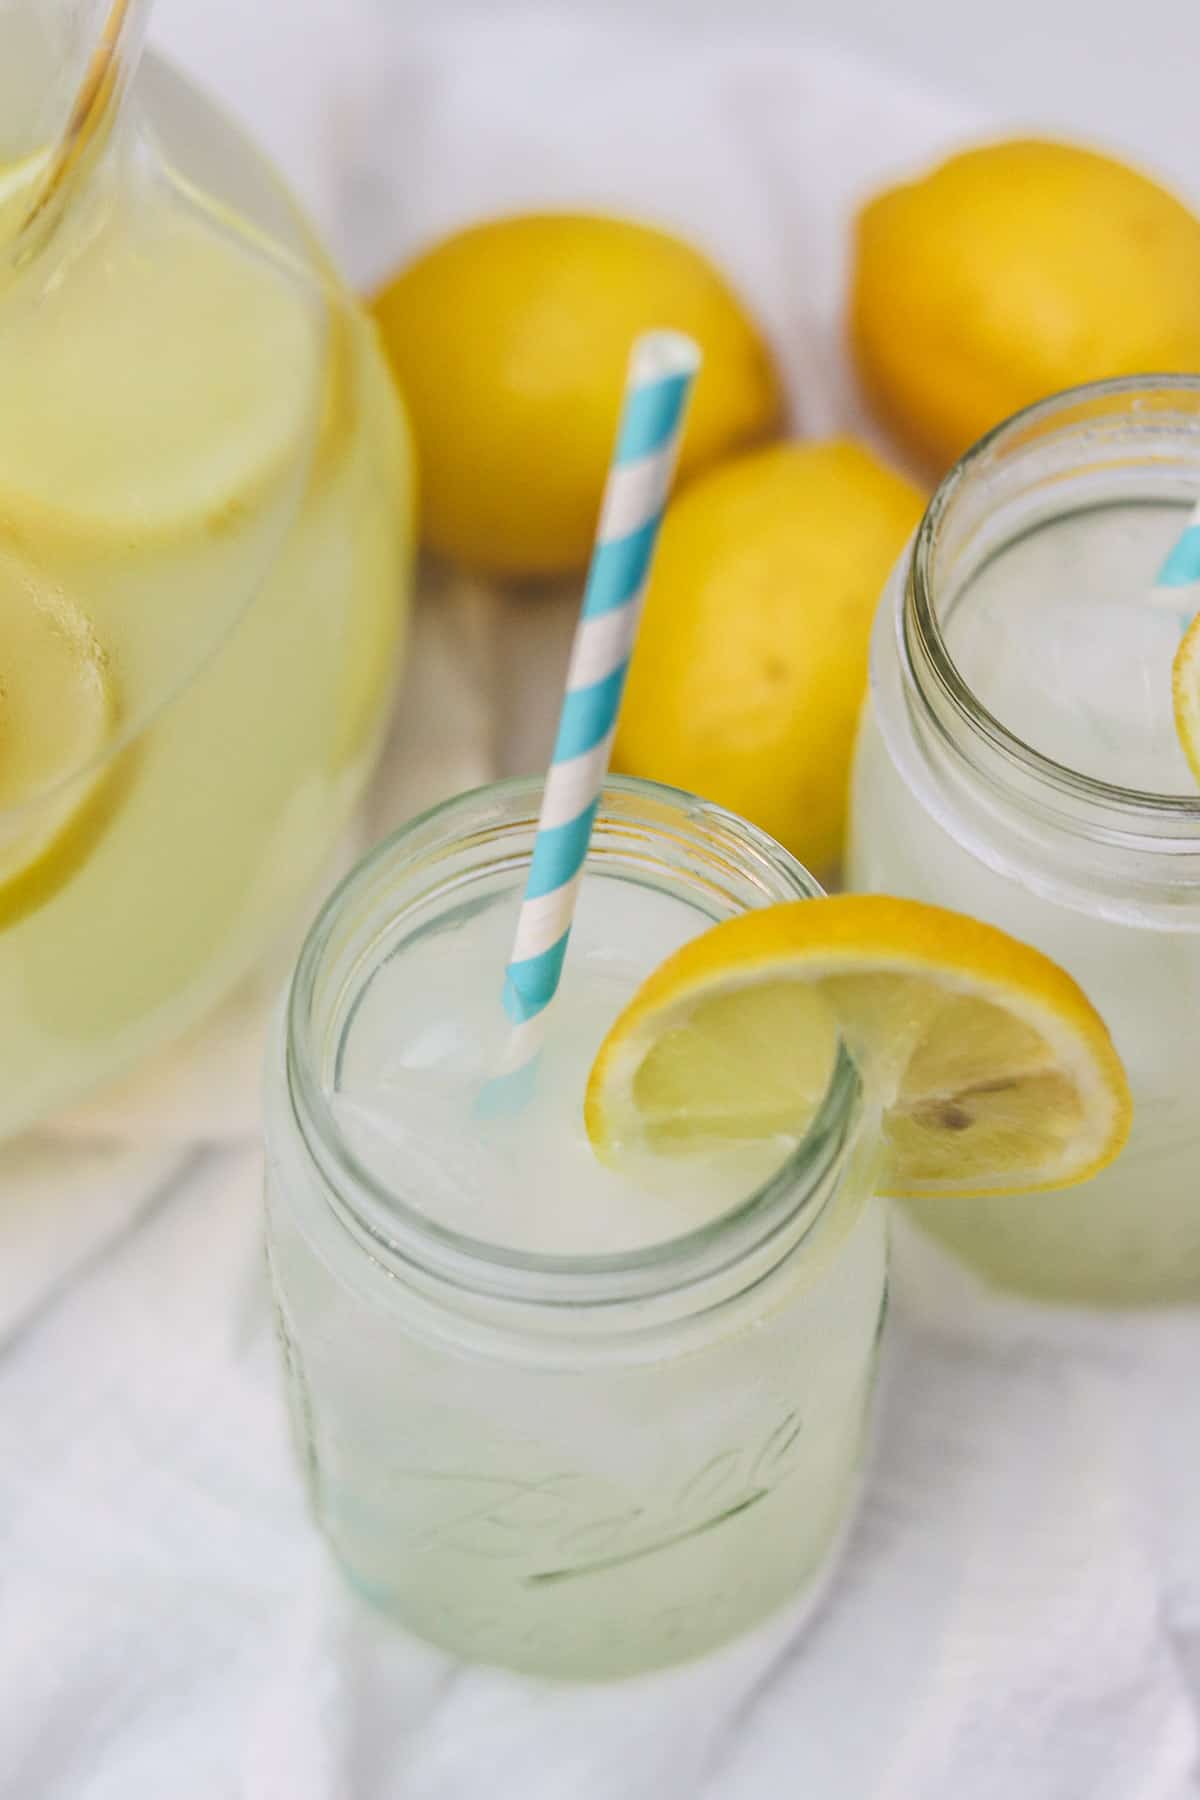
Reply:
x=752 y=654
x=1012 y=271
x=510 y=342
x=1186 y=684
x=992 y=1071
x=57 y=713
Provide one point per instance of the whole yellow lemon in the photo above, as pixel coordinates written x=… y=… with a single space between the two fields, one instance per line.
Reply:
x=1011 y=271
x=510 y=342
x=751 y=660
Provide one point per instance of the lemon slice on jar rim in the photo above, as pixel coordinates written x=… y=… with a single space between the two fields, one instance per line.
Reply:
x=992 y=1070
x=58 y=712
x=1185 y=683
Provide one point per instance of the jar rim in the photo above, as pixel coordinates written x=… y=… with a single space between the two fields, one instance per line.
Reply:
x=1160 y=817
x=396 y=1228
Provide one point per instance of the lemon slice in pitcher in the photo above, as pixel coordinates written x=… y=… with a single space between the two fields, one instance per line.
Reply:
x=18 y=183
x=1186 y=684
x=166 y=382
x=993 y=1071
x=57 y=713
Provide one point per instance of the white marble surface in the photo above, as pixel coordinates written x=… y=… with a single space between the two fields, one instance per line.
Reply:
x=1019 y=1609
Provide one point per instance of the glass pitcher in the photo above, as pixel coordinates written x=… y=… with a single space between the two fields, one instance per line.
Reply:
x=204 y=542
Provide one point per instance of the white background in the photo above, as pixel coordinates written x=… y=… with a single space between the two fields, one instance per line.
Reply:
x=1124 y=73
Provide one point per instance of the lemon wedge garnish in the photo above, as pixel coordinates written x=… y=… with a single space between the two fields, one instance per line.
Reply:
x=57 y=713
x=993 y=1071
x=1186 y=686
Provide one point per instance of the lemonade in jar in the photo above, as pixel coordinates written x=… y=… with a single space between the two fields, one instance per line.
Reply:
x=550 y=1418
x=204 y=542
x=1018 y=759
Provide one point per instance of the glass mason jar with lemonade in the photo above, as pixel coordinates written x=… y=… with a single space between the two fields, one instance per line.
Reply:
x=552 y=1417
x=1018 y=759
x=204 y=524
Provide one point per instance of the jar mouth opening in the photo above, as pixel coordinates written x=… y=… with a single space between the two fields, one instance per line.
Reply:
x=488 y=816
x=922 y=643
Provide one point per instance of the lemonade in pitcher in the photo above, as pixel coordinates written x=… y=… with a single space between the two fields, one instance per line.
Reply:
x=204 y=526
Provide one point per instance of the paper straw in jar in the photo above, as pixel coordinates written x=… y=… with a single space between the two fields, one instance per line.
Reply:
x=662 y=368
x=1177 y=588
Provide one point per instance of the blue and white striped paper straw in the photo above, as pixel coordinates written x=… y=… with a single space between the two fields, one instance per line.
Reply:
x=662 y=368
x=1177 y=589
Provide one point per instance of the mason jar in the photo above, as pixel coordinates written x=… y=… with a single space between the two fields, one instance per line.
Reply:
x=577 y=1465
x=1017 y=760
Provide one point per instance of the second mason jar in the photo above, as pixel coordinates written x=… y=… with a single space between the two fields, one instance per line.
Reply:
x=1018 y=760
x=575 y=1429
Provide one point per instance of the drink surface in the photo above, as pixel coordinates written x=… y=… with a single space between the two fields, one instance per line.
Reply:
x=203 y=480
x=1056 y=635
x=428 y=1032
